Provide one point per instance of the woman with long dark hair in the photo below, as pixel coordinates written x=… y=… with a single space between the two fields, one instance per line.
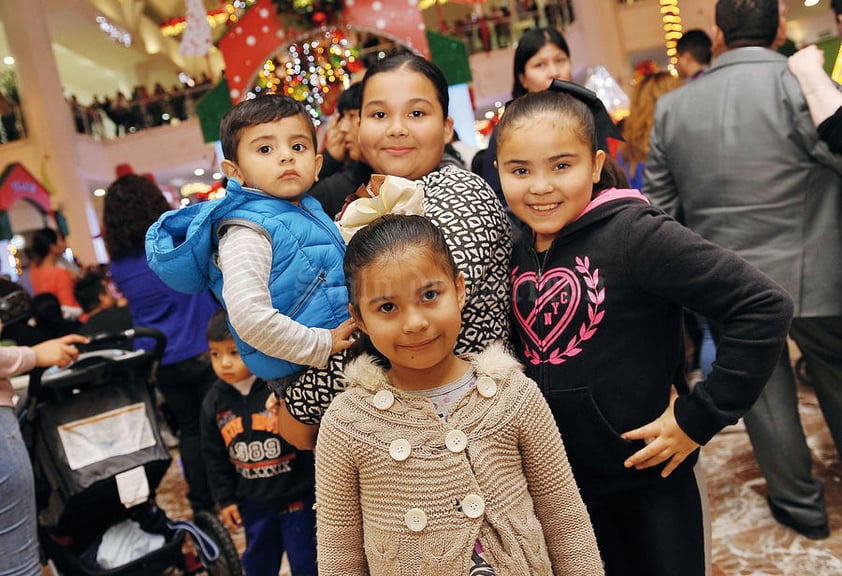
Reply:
x=541 y=56
x=132 y=204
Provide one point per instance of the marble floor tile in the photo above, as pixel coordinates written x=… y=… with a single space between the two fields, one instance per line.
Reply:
x=747 y=541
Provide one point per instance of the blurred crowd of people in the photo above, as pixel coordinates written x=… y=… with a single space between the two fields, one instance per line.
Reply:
x=141 y=109
x=500 y=25
x=11 y=122
x=58 y=296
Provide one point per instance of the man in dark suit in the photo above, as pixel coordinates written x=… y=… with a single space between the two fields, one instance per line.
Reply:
x=736 y=156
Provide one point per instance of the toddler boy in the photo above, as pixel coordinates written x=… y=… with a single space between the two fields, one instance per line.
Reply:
x=259 y=481
x=267 y=249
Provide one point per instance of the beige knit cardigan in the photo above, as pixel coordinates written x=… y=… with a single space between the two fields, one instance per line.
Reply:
x=534 y=522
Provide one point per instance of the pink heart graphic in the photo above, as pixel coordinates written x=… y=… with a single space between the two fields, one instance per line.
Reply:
x=561 y=279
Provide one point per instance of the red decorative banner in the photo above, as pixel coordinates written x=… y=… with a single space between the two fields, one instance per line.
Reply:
x=16 y=183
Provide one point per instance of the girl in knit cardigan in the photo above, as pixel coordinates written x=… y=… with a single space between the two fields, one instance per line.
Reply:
x=431 y=463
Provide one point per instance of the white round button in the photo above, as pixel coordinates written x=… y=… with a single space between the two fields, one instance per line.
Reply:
x=486 y=386
x=384 y=399
x=399 y=449
x=416 y=519
x=456 y=441
x=473 y=506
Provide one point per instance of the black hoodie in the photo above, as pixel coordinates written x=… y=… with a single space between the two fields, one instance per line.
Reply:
x=245 y=457
x=597 y=322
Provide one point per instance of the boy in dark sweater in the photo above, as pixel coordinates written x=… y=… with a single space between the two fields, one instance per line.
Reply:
x=259 y=481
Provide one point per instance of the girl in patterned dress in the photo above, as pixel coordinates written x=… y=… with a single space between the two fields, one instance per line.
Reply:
x=403 y=134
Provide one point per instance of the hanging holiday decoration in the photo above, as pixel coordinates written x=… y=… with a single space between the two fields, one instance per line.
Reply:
x=313 y=70
x=176 y=26
x=451 y=55
x=259 y=32
x=671 y=16
x=117 y=34
x=309 y=13
x=211 y=108
x=230 y=13
x=197 y=35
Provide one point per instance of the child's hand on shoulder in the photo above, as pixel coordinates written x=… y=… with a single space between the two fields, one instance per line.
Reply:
x=665 y=440
x=231 y=517
x=342 y=336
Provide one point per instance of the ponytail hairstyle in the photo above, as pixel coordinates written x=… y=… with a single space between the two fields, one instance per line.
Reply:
x=579 y=119
x=390 y=236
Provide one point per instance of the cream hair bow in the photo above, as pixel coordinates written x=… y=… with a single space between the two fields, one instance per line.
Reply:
x=383 y=195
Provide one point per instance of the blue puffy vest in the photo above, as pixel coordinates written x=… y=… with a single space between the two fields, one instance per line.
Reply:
x=306 y=282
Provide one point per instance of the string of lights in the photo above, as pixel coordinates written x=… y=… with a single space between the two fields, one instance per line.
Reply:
x=313 y=70
x=671 y=16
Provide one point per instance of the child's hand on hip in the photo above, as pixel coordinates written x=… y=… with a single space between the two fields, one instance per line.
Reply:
x=231 y=517
x=665 y=440
x=342 y=336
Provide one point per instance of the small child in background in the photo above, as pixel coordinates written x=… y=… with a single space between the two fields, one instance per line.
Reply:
x=437 y=464
x=102 y=312
x=598 y=284
x=267 y=249
x=260 y=482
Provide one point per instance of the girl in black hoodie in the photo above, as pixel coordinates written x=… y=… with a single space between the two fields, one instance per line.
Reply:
x=598 y=285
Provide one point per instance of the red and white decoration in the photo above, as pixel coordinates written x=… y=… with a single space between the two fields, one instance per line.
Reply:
x=260 y=33
x=197 y=40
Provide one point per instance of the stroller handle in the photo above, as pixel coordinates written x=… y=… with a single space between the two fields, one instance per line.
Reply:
x=132 y=333
x=36 y=375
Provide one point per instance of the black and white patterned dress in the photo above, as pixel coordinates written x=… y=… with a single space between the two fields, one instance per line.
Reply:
x=479 y=235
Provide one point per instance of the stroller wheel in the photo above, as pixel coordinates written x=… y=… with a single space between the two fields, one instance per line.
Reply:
x=228 y=563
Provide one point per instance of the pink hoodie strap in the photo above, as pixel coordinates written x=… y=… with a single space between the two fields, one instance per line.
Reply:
x=611 y=194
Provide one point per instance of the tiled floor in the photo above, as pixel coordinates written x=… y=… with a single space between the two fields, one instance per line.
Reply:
x=746 y=540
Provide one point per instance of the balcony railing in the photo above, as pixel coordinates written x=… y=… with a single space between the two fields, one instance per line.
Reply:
x=130 y=116
x=502 y=28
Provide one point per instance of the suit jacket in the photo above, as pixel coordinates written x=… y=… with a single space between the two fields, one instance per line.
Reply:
x=736 y=157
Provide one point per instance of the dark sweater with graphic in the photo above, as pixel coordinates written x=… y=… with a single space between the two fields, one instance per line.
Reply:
x=597 y=322
x=245 y=456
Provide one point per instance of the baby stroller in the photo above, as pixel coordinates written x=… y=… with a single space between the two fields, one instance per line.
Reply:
x=98 y=458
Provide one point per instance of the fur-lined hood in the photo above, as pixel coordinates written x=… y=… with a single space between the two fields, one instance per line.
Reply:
x=495 y=361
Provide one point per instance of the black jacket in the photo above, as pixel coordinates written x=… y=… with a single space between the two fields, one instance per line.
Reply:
x=332 y=191
x=597 y=322
x=245 y=456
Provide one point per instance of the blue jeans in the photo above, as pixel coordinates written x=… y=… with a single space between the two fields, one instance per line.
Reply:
x=270 y=531
x=18 y=532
